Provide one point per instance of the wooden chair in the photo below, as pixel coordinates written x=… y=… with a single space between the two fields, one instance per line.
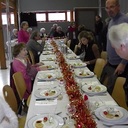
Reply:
x=104 y=55
x=10 y=98
x=118 y=93
x=20 y=84
x=31 y=57
x=69 y=43
x=75 y=49
x=65 y=41
x=99 y=65
x=28 y=100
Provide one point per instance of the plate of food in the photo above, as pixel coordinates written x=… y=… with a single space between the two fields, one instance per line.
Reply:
x=45 y=121
x=72 y=57
x=111 y=114
x=47 y=92
x=84 y=73
x=78 y=64
x=46 y=76
x=50 y=67
x=47 y=52
x=47 y=57
x=94 y=89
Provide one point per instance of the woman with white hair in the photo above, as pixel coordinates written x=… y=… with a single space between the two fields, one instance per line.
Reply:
x=29 y=30
x=43 y=32
x=14 y=34
x=8 y=118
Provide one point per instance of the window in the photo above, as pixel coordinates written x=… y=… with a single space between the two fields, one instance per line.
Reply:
x=56 y=16
x=12 y=18
x=68 y=16
x=4 y=18
x=40 y=16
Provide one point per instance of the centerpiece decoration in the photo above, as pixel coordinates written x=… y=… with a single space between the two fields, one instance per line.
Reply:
x=82 y=115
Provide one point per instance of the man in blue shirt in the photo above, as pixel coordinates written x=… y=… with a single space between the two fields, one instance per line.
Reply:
x=116 y=66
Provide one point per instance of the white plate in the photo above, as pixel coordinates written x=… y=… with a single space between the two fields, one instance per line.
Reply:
x=56 y=121
x=123 y=114
x=78 y=64
x=68 y=126
x=47 y=57
x=94 y=89
x=84 y=74
x=50 y=66
x=47 y=92
x=47 y=52
x=72 y=57
x=46 y=76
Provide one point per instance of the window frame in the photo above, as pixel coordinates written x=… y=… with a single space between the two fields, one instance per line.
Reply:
x=66 y=19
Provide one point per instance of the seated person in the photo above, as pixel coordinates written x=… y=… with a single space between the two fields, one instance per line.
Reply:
x=29 y=30
x=43 y=33
x=52 y=30
x=88 y=49
x=14 y=34
x=21 y=64
x=34 y=46
x=58 y=33
x=8 y=118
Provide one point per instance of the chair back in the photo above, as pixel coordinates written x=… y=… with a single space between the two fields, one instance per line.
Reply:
x=65 y=41
x=31 y=57
x=20 y=84
x=99 y=65
x=104 y=55
x=75 y=49
x=69 y=43
x=28 y=100
x=118 y=93
x=10 y=98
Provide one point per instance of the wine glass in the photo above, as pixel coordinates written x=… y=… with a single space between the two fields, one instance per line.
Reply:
x=70 y=109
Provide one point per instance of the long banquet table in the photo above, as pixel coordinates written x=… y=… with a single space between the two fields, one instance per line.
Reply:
x=57 y=106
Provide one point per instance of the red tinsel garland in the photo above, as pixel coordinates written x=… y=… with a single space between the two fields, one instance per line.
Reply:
x=82 y=115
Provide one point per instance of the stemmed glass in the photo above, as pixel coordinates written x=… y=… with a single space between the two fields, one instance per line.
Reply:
x=70 y=109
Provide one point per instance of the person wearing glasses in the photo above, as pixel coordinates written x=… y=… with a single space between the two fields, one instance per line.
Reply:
x=116 y=66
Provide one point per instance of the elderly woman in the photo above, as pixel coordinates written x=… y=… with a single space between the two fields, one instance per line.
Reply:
x=43 y=32
x=23 y=35
x=88 y=49
x=58 y=33
x=118 y=35
x=14 y=34
x=21 y=64
x=29 y=31
x=8 y=118
x=34 y=46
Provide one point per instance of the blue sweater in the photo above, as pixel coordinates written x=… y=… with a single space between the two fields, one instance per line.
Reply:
x=113 y=58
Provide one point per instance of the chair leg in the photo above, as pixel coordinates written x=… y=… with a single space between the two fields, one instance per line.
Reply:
x=20 y=108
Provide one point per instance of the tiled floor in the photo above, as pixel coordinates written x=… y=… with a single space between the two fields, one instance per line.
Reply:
x=4 y=78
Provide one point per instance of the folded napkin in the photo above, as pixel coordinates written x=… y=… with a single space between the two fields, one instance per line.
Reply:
x=46 y=102
x=110 y=103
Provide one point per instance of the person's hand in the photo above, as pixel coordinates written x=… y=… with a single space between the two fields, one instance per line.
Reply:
x=39 y=64
x=43 y=68
x=79 y=44
x=43 y=40
x=87 y=62
x=120 y=69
